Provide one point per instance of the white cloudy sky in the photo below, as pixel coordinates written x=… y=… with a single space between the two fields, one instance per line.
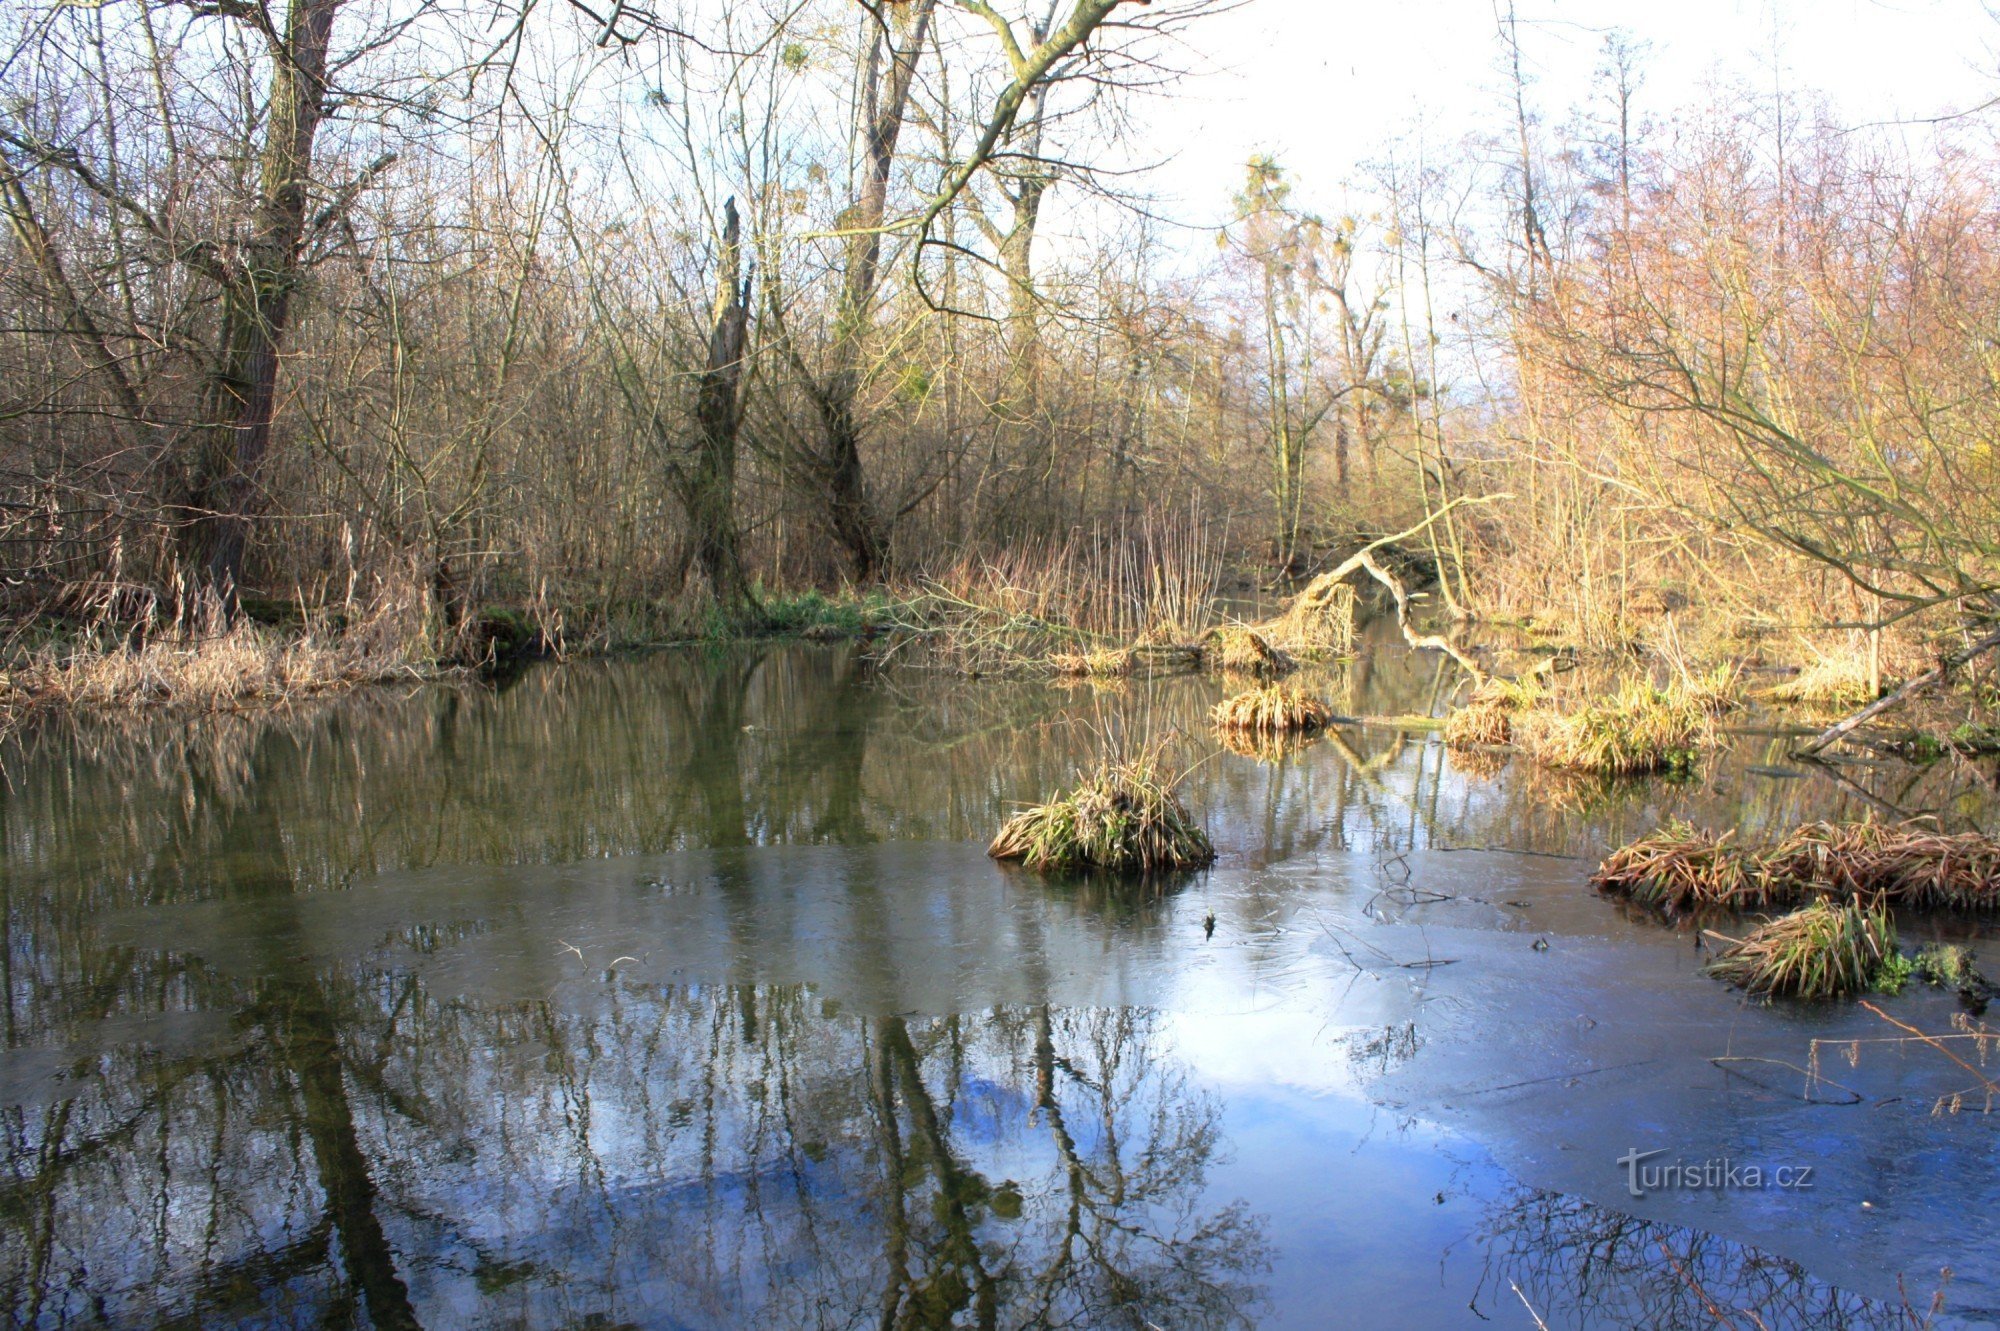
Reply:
x=1326 y=84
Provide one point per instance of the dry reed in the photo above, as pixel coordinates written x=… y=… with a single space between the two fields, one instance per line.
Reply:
x=201 y=662
x=1678 y=869
x=1274 y=709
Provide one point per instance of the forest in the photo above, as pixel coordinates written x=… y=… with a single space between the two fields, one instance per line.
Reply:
x=423 y=329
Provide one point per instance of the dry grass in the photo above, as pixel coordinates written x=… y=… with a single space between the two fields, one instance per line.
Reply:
x=1153 y=581
x=1908 y=863
x=1826 y=950
x=1319 y=621
x=1123 y=818
x=1842 y=680
x=1274 y=709
x=1108 y=663
x=201 y=664
x=1488 y=715
x=1245 y=651
x=1637 y=728
x=1678 y=869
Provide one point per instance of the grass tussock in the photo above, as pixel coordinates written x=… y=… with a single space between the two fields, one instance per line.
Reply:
x=1122 y=818
x=1110 y=663
x=1826 y=950
x=1487 y=718
x=1244 y=651
x=1840 y=680
x=1909 y=863
x=1274 y=709
x=1319 y=622
x=1680 y=870
x=1638 y=729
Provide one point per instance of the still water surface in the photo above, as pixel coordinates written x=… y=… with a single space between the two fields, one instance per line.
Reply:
x=678 y=992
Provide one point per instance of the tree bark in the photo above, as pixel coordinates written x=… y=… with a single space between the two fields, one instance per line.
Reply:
x=850 y=508
x=710 y=491
x=242 y=398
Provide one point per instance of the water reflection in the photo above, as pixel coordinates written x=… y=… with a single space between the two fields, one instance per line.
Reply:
x=676 y=992
x=721 y=1156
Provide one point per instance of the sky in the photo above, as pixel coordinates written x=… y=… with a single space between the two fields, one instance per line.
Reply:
x=1327 y=84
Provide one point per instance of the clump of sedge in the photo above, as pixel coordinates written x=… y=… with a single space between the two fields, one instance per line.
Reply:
x=1122 y=818
x=1678 y=869
x=1106 y=663
x=1825 y=950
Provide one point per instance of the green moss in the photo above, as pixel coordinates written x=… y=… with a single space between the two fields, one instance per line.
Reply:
x=1895 y=971
x=1946 y=965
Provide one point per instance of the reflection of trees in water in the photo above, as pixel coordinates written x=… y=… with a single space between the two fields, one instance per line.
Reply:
x=705 y=1156
x=788 y=745
x=1580 y=1265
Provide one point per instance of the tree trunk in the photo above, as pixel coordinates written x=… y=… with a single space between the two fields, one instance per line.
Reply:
x=849 y=507
x=242 y=396
x=710 y=491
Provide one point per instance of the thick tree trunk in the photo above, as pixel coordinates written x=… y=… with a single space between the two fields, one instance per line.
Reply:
x=850 y=509
x=710 y=492
x=257 y=305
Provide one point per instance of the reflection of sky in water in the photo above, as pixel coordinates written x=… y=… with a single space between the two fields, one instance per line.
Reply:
x=680 y=991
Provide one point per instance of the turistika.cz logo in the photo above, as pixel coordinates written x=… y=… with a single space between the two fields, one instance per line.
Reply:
x=1717 y=1175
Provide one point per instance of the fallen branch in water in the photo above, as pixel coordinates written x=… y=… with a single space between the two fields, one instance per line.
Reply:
x=1929 y=679
x=1364 y=561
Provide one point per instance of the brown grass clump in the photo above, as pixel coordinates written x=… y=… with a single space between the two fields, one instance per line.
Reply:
x=1488 y=715
x=1845 y=680
x=1638 y=728
x=1907 y=863
x=1319 y=621
x=1274 y=709
x=209 y=667
x=1678 y=869
x=1246 y=651
x=1826 y=950
x=1122 y=818
x=1107 y=663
